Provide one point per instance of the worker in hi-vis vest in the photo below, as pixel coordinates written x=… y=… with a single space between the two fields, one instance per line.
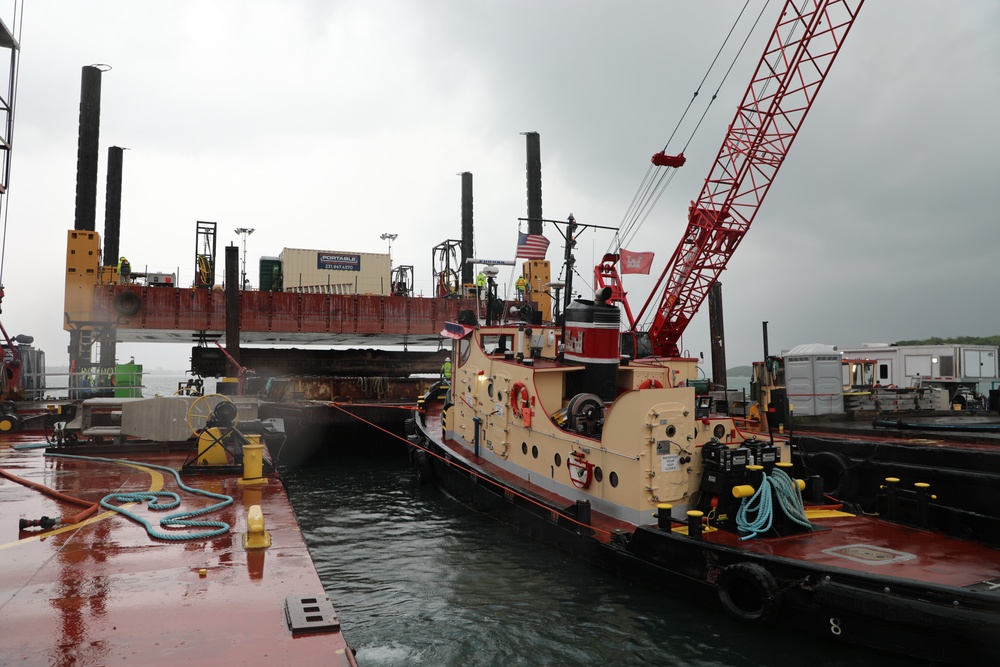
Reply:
x=480 y=285
x=124 y=271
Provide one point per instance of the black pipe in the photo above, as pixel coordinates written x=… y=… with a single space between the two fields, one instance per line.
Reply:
x=87 y=148
x=233 y=305
x=113 y=207
x=718 y=337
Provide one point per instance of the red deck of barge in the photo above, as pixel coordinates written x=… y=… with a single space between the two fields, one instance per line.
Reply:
x=104 y=592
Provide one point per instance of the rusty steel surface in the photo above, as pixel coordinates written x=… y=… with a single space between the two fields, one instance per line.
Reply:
x=177 y=314
x=104 y=592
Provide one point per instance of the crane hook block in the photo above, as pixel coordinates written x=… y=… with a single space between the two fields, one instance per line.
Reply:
x=661 y=159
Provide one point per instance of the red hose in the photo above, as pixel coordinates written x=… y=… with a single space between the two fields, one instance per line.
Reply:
x=89 y=507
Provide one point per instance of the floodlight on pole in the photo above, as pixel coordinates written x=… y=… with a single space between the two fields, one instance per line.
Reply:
x=390 y=238
x=244 y=232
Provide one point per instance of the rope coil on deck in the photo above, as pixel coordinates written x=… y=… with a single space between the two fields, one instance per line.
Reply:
x=760 y=506
x=178 y=520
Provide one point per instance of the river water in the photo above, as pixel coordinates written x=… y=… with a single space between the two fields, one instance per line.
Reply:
x=418 y=579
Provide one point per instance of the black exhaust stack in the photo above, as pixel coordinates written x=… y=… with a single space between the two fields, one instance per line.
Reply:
x=467 y=278
x=534 y=168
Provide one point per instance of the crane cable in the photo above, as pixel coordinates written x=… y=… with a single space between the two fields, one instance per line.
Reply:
x=655 y=181
x=11 y=105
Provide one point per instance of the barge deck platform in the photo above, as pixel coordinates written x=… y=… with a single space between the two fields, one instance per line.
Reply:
x=103 y=591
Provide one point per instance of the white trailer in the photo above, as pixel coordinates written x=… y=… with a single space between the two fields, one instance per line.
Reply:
x=958 y=368
x=335 y=272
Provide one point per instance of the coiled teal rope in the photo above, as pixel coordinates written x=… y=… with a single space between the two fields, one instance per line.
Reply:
x=759 y=504
x=178 y=520
x=789 y=497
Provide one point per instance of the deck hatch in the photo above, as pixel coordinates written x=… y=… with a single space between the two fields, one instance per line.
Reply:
x=310 y=614
x=869 y=554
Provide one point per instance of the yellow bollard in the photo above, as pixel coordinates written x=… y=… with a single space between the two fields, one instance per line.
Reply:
x=256 y=536
x=253 y=462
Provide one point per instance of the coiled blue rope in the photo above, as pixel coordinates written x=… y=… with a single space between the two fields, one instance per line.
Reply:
x=178 y=520
x=789 y=497
x=759 y=504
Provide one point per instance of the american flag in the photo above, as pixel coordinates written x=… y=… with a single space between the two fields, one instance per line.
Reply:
x=531 y=246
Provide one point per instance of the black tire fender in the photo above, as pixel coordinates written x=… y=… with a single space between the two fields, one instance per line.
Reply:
x=425 y=468
x=840 y=479
x=749 y=592
x=127 y=303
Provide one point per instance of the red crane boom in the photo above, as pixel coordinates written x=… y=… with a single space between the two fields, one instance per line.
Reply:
x=803 y=46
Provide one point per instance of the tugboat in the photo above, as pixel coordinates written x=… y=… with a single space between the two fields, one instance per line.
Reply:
x=611 y=459
x=603 y=448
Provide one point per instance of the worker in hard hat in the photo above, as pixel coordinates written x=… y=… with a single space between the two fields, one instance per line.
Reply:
x=124 y=271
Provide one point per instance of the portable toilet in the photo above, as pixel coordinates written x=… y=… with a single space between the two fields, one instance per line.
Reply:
x=128 y=381
x=814 y=379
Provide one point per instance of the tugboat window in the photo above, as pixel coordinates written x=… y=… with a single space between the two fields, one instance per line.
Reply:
x=497 y=344
x=598 y=474
x=464 y=349
x=613 y=478
x=524 y=448
x=534 y=452
x=671 y=431
x=500 y=396
x=558 y=460
x=489 y=390
x=719 y=431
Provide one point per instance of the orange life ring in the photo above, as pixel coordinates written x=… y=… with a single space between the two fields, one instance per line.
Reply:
x=651 y=383
x=519 y=399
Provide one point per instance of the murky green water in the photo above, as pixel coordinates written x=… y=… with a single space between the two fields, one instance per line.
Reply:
x=418 y=579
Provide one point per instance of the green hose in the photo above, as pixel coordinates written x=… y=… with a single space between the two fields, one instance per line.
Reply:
x=178 y=520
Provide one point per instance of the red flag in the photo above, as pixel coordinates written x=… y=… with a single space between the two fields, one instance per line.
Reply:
x=636 y=262
x=531 y=246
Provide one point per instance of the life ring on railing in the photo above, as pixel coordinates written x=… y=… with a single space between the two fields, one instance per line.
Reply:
x=581 y=471
x=748 y=592
x=840 y=479
x=520 y=401
x=651 y=383
x=127 y=303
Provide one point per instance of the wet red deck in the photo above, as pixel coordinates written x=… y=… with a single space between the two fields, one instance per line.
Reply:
x=865 y=544
x=103 y=592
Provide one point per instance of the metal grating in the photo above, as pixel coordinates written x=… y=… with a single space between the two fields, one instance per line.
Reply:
x=310 y=614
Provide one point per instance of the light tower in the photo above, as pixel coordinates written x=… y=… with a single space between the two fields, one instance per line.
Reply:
x=244 y=232
x=390 y=238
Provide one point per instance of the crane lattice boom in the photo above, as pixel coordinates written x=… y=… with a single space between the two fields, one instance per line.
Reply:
x=791 y=71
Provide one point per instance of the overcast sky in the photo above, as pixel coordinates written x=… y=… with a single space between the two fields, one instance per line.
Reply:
x=324 y=124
